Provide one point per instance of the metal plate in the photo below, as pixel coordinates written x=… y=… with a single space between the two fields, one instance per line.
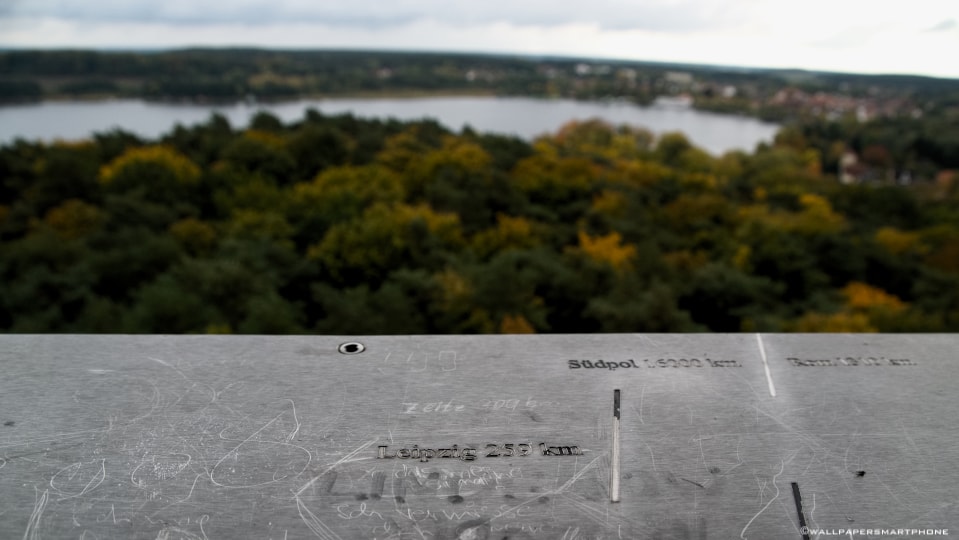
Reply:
x=432 y=437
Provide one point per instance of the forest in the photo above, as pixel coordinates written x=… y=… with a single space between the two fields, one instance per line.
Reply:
x=342 y=225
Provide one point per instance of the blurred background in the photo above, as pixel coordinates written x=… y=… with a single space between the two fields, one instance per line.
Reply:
x=426 y=167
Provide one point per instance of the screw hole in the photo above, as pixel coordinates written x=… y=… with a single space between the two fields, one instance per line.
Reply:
x=351 y=348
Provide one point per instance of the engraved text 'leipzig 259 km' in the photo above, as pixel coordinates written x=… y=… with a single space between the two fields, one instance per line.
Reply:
x=470 y=454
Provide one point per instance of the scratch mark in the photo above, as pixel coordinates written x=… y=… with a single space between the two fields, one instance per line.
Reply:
x=934 y=510
x=891 y=492
x=72 y=471
x=234 y=453
x=845 y=455
x=651 y=456
x=44 y=451
x=59 y=437
x=202 y=520
x=782 y=467
x=296 y=420
x=178 y=533
x=812 y=514
x=157 y=360
x=318 y=527
x=692 y=482
x=31 y=532
x=453 y=361
x=909 y=438
x=590 y=511
x=702 y=452
x=339 y=462
x=642 y=398
x=845 y=466
x=555 y=491
x=769 y=375
x=183 y=500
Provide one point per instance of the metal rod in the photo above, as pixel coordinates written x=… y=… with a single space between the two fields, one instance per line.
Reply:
x=614 y=469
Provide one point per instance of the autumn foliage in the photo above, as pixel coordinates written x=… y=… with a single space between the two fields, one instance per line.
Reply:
x=343 y=225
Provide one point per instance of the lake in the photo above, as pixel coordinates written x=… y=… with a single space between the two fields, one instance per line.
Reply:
x=524 y=117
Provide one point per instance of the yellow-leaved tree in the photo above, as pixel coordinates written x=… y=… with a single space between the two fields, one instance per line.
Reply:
x=158 y=173
x=386 y=237
x=509 y=233
x=899 y=243
x=815 y=218
x=547 y=177
x=340 y=194
x=608 y=249
x=148 y=164
x=74 y=219
x=865 y=309
x=195 y=236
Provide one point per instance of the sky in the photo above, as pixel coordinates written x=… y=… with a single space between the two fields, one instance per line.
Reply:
x=861 y=36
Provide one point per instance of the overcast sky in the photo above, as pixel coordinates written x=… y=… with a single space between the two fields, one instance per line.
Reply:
x=870 y=36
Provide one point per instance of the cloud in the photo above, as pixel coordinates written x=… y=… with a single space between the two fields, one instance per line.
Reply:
x=850 y=38
x=811 y=34
x=8 y=7
x=652 y=15
x=944 y=26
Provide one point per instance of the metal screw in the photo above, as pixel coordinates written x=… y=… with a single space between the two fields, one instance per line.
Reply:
x=352 y=347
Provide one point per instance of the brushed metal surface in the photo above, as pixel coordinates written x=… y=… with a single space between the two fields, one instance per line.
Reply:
x=721 y=436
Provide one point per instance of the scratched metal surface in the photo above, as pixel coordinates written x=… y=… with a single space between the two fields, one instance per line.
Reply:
x=284 y=437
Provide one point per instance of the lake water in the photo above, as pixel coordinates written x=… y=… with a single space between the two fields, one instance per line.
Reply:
x=525 y=117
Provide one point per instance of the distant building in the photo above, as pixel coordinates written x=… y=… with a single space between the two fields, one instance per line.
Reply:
x=679 y=78
x=850 y=170
x=854 y=169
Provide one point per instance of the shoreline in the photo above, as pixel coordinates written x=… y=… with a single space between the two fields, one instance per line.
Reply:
x=383 y=95
x=364 y=94
x=526 y=117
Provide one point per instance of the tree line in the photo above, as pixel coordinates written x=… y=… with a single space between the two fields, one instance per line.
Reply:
x=336 y=224
x=229 y=75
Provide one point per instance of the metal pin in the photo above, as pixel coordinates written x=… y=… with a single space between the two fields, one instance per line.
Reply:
x=614 y=469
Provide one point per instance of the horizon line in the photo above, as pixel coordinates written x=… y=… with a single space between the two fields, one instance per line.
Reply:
x=521 y=55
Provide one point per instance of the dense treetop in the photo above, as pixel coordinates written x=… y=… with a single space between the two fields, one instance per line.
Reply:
x=340 y=225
